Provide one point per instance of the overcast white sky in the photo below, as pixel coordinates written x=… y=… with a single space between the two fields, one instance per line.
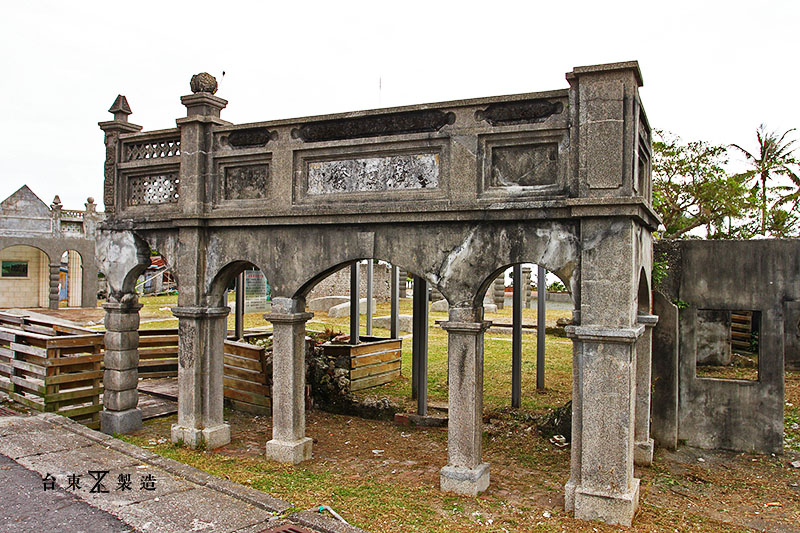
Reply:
x=712 y=70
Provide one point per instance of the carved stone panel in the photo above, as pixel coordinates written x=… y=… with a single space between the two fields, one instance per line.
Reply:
x=525 y=165
x=153 y=189
x=245 y=182
x=391 y=173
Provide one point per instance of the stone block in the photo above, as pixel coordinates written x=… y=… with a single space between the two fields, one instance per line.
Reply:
x=643 y=453
x=120 y=422
x=120 y=380
x=342 y=310
x=115 y=321
x=611 y=508
x=211 y=438
x=121 y=340
x=121 y=359
x=385 y=322
x=463 y=480
x=440 y=306
x=324 y=303
x=120 y=400
x=289 y=452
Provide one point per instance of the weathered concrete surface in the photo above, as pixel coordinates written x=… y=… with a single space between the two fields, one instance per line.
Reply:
x=757 y=276
x=385 y=322
x=183 y=499
x=664 y=401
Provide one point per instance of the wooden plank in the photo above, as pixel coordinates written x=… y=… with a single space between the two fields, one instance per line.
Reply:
x=32 y=350
x=373 y=370
x=256 y=399
x=157 y=331
x=154 y=352
x=371 y=359
x=247 y=375
x=370 y=347
x=80 y=411
x=373 y=381
x=5 y=352
x=162 y=340
x=75 y=360
x=241 y=362
x=73 y=394
x=243 y=350
x=29 y=367
x=159 y=374
x=249 y=407
x=158 y=362
x=246 y=386
x=41 y=330
x=5 y=384
x=26 y=401
x=36 y=386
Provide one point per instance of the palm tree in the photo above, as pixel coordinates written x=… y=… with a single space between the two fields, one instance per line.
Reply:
x=775 y=158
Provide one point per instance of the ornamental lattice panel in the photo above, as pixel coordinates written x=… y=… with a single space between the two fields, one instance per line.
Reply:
x=152 y=149
x=153 y=190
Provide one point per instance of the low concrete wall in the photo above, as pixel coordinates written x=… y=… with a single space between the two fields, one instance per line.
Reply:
x=338 y=283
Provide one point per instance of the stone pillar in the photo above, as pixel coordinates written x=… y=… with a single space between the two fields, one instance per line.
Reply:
x=402 y=276
x=53 y=298
x=643 y=444
x=606 y=489
x=500 y=291
x=465 y=472
x=121 y=376
x=201 y=338
x=526 y=287
x=289 y=443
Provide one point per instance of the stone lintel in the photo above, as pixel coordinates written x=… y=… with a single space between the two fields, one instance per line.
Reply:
x=203 y=104
x=463 y=480
x=198 y=312
x=211 y=438
x=119 y=126
x=605 y=334
x=473 y=328
x=608 y=67
x=611 y=508
x=120 y=422
x=648 y=320
x=288 y=318
x=291 y=452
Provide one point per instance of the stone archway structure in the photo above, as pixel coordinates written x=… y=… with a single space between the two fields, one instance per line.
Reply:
x=451 y=192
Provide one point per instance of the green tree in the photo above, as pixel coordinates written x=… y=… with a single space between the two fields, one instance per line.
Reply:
x=775 y=158
x=691 y=188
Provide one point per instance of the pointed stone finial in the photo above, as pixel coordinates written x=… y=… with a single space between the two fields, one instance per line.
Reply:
x=56 y=203
x=120 y=109
x=203 y=83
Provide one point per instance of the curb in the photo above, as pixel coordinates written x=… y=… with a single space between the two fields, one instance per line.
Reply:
x=254 y=497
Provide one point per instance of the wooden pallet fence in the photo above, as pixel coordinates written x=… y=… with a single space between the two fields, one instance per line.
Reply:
x=61 y=374
x=245 y=379
x=158 y=353
x=373 y=362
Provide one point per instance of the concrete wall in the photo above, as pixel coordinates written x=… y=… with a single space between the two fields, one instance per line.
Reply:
x=338 y=283
x=24 y=292
x=728 y=276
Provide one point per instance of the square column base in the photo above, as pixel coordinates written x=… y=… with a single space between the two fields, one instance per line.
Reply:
x=120 y=422
x=609 y=508
x=569 y=495
x=462 y=480
x=292 y=452
x=643 y=453
x=209 y=437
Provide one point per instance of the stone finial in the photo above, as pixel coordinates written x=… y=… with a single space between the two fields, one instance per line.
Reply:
x=120 y=108
x=90 y=207
x=56 y=203
x=203 y=83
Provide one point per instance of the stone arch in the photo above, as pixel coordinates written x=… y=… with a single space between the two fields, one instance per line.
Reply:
x=222 y=279
x=123 y=256
x=309 y=284
x=37 y=280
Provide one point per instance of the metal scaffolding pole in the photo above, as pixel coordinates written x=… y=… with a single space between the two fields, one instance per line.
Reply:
x=516 y=338
x=355 y=286
x=541 y=324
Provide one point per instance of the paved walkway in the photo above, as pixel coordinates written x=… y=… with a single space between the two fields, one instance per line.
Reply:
x=144 y=491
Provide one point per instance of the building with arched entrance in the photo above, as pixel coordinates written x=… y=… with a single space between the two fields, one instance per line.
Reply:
x=47 y=253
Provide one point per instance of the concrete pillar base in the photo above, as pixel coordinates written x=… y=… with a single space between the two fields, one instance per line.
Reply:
x=609 y=508
x=569 y=495
x=120 y=422
x=209 y=437
x=293 y=452
x=463 y=480
x=643 y=453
